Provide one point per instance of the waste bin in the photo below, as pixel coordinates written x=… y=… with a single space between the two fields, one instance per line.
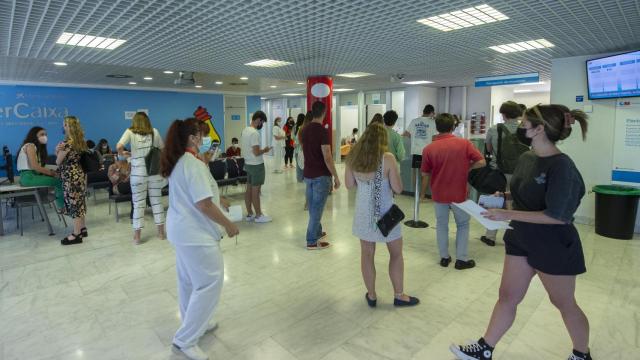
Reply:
x=616 y=210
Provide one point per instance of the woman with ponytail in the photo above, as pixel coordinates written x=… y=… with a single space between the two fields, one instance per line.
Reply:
x=193 y=228
x=546 y=189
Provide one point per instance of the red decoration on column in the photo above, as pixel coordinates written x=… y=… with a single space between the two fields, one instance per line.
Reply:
x=320 y=88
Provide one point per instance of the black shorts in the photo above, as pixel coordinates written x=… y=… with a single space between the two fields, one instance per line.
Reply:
x=551 y=249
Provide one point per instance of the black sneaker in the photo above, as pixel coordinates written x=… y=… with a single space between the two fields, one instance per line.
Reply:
x=488 y=241
x=577 y=355
x=478 y=350
x=444 y=262
x=462 y=265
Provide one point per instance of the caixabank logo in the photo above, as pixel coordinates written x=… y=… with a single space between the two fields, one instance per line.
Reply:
x=25 y=111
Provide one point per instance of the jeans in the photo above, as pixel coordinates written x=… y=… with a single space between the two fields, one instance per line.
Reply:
x=317 y=193
x=442 y=230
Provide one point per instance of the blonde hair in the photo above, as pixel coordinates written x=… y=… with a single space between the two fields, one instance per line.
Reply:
x=366 y=154
x=75 y=134
x=141 y=124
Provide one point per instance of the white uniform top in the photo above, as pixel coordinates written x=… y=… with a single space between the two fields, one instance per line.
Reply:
x=277 y=131
x=23 y=158
x=422 y=131
x=250 y=138
x=189 y=182
x=141 y=144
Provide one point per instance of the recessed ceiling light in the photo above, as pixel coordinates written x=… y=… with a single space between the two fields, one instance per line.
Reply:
x=356 y=74
x=60 y=63
x=168 y=72
x=273 y=86
x=342 y=90
x=218 y=82
x=522 y=46
x=478 y=15
x=269 y=63
x=533 y=83
x=132 y=83
x=263 y=98
x=244 y=78
x=199 y=86
x=300 y=83
x=522 y=91
x=90 y=41
x=417 y=82
x=292 y=94
x=148 y=78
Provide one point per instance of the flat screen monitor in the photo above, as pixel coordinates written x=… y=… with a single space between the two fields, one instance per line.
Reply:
x=616 y=76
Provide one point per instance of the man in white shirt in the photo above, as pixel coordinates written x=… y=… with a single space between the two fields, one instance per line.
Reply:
x=421 y=130
x=254 y=166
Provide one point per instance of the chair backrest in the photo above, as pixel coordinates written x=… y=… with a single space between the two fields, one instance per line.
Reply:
x=233 y=171
x=218 y=169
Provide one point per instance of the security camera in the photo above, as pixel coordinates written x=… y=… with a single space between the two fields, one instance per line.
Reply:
x=400 y=76
x=397 y=77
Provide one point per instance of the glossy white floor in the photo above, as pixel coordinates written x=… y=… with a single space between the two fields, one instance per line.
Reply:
x=109 y=299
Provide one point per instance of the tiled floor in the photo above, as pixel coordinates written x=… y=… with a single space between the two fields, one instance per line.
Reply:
x=109 y=299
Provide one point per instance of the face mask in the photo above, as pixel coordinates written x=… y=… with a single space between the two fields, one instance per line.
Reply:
x=104 y=147
x=206 y=144
x=521 y=133
x=43 y=139
x=259 y=126
x=234 y=145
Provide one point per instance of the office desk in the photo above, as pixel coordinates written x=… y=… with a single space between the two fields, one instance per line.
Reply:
x=16 y=190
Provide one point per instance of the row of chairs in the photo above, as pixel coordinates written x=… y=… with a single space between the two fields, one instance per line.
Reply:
x=229 y=171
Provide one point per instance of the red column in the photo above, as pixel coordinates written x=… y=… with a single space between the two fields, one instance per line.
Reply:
x=320 y=88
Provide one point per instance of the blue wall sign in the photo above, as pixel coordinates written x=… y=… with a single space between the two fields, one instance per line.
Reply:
x=507 y=79
x=579 y=98
x=235 y=117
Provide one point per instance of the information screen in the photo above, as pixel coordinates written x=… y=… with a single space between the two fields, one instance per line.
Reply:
x=615 y=76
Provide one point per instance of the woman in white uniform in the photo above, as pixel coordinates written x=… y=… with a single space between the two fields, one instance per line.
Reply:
x=374 y=173
x=278 y=145
x=141 y=136
x=193 y=228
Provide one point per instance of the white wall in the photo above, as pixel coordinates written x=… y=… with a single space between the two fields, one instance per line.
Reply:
x=478 y=101
x=533 y=98
x=499 y=95
x=415 y=99
x=594 y=158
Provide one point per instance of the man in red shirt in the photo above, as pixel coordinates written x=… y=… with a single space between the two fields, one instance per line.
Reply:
x=447 y=161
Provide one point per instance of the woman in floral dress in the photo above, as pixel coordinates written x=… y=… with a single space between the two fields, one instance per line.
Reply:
x=74 y=184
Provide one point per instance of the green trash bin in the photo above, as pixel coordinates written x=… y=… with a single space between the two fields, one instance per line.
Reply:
x=616 y=210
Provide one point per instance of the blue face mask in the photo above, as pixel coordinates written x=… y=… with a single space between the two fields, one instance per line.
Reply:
x=206 y=144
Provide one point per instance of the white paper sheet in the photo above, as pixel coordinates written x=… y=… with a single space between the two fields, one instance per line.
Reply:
x=234 y=214
x=476 y=210
x=491 y=202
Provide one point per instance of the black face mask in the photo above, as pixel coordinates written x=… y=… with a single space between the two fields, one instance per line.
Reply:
x=521 y=133
x=259 y=127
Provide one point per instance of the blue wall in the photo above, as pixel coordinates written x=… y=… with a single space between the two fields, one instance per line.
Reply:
x=253 y=104
x=101 y=111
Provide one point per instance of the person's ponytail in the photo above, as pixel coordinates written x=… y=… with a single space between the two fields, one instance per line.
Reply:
x=581 y=117
x=176 y=143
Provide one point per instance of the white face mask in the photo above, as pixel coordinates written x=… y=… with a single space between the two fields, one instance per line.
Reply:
x=43 y=139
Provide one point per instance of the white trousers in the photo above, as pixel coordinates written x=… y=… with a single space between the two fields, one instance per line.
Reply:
x=141 y=185
x=200 y=275
x=278 y=157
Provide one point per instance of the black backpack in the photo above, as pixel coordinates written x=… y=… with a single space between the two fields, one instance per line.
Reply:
x=509 y=150
x=89 y=161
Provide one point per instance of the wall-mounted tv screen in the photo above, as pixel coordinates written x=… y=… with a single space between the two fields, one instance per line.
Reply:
x=615 y=76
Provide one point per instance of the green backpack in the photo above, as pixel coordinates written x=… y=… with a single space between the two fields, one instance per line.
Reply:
x=509 y=150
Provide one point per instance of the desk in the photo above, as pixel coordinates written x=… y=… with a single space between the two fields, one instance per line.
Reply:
x=16 y=190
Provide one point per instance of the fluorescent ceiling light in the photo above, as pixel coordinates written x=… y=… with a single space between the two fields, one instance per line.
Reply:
x=269 y=63
x=417 y=82
x=148 y=78
x=522 y=91
x=168 y=72
x=522 y=46
x=263 y=98
x=479 y=15
x=199 y=86
x=356 y=74
x=132 y=83
x=292 y=94
x=218 y=82
x=244 y=78
x=90 y=41
x=60 y=63
x=300 y=83
x=273 y=86
x=342 y=90
x=533 y=83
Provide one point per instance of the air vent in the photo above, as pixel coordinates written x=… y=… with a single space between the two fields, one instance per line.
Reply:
x=238 y=84
x=119 y=76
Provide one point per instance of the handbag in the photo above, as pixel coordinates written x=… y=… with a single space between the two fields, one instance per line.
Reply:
x=152 y=160
x=487 y=180
x=390 y=220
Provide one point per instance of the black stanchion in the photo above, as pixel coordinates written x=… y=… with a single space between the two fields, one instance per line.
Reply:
x=416 y=162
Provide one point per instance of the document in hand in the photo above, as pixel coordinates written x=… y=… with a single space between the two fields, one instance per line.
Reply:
x=234 y=214
x=476 y=211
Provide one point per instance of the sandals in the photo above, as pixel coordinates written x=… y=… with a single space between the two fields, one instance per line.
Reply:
x=77 y=239
x=84 y=232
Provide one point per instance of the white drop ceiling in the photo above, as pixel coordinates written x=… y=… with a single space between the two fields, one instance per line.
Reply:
x=215 y=39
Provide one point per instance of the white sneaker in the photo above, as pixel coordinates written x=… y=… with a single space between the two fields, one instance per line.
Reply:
x=263 y=219
x=213 y=325
x=249 y=218
x=193 y=352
